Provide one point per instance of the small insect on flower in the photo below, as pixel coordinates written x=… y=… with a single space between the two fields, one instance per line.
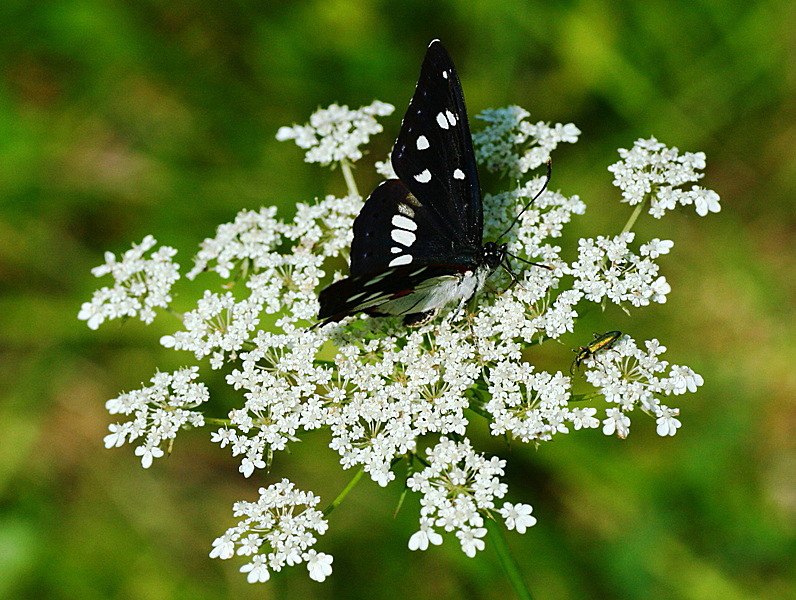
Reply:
x=600 y=342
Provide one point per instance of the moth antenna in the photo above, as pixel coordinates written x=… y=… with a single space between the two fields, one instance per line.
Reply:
x=529 y=262
x=527 y=206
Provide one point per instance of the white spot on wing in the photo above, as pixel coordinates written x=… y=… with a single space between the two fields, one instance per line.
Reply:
x=404 y=259
x=444 y=74
x=422 y=142
x=396 y=250
x=458 y=174
x=442 y=120
x=406 y=210
x=407 y=238
x=451 y=117
x=424 y=177
x=404 y=223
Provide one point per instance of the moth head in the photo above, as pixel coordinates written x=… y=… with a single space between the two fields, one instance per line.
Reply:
x=493 y=254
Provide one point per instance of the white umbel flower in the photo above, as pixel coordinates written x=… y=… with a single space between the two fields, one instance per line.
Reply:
x=386 y=394
x=158 y=412
x=336 y=133
x=651 y=170
x=277 y=530
x=142 y=285
x=513 y=145
x=456 y=486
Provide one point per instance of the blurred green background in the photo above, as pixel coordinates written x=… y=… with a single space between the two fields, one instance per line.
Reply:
x=122 y=118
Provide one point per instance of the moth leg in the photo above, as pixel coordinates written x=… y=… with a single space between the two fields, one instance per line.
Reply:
x=456 y=313
x=470 y=317
x=514 y=281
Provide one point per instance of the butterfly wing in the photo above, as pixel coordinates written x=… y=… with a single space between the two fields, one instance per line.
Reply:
x=399 y=290
x=395 y=229
x=433 y=213
x=417 y=240
x=434 y=155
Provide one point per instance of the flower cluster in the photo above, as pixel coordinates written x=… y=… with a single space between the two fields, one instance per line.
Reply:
x=458 y=488
x=335 y=134
x=513 y=145
x=629 y=377
x=223 y=324
x=607 y=268
x=159 y=411
x=387 y=394
x=651 y=170
x=142 y=284
x=531 y=406
x=275 y=531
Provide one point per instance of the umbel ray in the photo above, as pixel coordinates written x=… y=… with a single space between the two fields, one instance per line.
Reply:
x=418 y=240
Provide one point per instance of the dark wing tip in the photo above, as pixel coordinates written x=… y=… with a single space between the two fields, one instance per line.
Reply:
x=435 y=47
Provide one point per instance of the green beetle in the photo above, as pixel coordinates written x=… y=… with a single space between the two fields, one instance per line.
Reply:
x=600 y=342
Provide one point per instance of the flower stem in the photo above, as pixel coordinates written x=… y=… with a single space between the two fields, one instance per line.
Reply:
x=510 y=566
x=633 y=216
x=341 y=496
x=630 y=222
x=345 y=166
x=585 y=397
x=174 y=313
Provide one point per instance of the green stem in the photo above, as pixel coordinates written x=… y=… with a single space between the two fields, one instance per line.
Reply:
x=630 y=222
x=633 y=216
x=341 y=496
x=345 y=166
x=174 y=313
x=214 y=421
x=510 y=566
x=585 y=397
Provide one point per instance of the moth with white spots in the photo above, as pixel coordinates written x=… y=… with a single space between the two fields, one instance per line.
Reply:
x=417 y=241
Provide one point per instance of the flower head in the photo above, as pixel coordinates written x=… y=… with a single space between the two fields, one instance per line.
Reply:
x=513 y=145
x=650 y=169
x=456 y=486
x=141 y=285
x=608 y=268
x=387 y=394
x=335 y=133
x=158 y=412
x=277 y=530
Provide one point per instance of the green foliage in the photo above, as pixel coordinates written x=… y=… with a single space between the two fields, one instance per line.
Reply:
x=122 y=118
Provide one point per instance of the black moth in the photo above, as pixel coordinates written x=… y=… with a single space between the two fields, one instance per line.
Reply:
x=417 y=241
